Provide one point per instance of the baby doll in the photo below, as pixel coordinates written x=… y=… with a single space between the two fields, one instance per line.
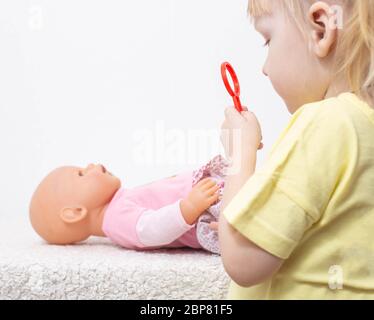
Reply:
x=72 y=203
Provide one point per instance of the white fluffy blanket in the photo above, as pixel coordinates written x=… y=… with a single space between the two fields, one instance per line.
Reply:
x=96 y=269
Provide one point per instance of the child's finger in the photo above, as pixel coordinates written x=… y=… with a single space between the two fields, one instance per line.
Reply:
x=250 y=116
x=232 y=113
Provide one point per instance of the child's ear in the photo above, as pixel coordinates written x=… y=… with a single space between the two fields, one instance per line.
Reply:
x=324 y=31
x=73 y=214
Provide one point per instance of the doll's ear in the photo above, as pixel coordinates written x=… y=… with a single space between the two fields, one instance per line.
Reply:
x=73 y=214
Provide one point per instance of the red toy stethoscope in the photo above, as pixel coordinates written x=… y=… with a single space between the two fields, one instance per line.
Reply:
x=235 y=94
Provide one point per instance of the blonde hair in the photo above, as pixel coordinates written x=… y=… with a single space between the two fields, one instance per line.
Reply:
x=355 y=48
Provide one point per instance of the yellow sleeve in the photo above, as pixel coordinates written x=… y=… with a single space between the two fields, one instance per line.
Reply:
x=290 y=192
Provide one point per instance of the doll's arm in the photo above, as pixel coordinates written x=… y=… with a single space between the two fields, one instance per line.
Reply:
x=165 y=225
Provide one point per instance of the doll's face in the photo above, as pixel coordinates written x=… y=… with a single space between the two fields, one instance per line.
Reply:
x=65 y=202
x=92 y=186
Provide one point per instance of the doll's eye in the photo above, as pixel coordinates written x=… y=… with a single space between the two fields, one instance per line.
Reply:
x=80 y=173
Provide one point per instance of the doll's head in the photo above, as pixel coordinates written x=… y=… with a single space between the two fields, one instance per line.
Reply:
x=317 y=49
x=68 y=204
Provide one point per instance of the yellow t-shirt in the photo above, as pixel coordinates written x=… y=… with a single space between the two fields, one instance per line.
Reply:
x=312 y=204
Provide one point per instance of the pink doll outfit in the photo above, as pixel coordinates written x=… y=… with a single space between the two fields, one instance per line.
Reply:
x=149 y=216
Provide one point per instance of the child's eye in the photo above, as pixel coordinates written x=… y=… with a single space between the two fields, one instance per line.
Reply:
x=266 y=44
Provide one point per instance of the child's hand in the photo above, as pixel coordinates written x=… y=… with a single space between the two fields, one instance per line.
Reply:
x=202 y=196
x=240 y=134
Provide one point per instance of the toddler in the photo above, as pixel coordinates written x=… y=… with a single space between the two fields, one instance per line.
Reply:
x=301 y=226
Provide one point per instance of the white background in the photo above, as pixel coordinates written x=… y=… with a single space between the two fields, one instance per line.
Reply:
x=81 y=79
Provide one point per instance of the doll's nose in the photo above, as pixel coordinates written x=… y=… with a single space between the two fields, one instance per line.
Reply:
x=96 y=167
x=89 y=167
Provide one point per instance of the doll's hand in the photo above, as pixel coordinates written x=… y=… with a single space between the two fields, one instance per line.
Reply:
x=213 y=225
x=202 y=196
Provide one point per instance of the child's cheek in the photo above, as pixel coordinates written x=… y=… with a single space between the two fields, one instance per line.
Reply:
x=284 y=75
x=277 y=73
